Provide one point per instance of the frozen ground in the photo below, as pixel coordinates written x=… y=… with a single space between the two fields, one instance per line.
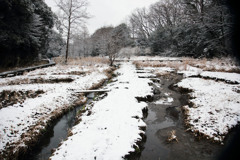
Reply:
x=216 y=107
x=216 y=104
x=113 y=128
x=22 y=121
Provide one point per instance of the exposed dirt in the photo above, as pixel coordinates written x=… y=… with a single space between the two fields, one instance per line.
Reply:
x=13 y=97
x=39 y=81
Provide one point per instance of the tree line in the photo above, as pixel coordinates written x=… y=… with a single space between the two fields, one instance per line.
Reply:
x=29 y=30
x=25 y=31
x=198 y=28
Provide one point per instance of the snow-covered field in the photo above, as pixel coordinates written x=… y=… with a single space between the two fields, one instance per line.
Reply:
x=216 y=107
x=216 y=102
x=113 y=128
x=22 y=121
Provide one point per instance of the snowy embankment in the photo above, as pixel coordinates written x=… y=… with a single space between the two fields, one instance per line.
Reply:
x=216 y=102
x=223 y=76
x=22 y=122
x=215 y=95
x=112 y=127
x=216 y=107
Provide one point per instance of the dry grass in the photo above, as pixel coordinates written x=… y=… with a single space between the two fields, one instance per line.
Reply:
x=13 y=97
x=84 y=61
x=225 y=64
x=172 y=136
x=40 y=80
x=172 y=64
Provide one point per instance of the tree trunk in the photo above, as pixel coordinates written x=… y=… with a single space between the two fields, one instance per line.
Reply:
x=202 y=10
x=69 y=31
x=67 y=47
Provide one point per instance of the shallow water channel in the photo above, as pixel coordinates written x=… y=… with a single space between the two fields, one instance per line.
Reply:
x=164 y=116
x=55 y=134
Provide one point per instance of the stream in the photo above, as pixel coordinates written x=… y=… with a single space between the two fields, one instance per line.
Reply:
x=164 y=116
x=55 y=134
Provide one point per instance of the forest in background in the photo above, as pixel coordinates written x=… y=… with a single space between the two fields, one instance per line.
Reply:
x=30 y=31
x=198 y=28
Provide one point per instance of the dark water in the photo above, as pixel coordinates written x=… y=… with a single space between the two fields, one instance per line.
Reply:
x=54 y=136
x=162 y=119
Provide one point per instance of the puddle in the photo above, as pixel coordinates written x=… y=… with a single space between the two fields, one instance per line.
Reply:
x=165 y=117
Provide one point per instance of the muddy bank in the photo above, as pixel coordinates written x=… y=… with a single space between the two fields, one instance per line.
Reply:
x=165 y=116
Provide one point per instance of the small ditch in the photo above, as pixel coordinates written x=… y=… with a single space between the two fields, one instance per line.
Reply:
x=59 y=130
x=163 y=118
x=56 y=133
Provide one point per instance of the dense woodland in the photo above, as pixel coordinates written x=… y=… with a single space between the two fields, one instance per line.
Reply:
x=25 y=30
x=30 y=31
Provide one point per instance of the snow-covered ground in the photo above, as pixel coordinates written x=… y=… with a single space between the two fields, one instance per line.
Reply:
x=228 y=77
x=189 y=71
x=225 y=76
x=113 y=128
x=216 y=107
x=215 y=93
x=16 y=120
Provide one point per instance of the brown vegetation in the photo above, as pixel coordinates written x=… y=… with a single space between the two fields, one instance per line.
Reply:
x=216 y=64
x=39 y=80
x=84 y=61
x=13 y=97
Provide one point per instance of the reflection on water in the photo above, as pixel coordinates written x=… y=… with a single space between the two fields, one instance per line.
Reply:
x=55 y=134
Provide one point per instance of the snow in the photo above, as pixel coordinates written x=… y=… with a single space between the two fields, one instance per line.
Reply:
x=216 y=107
x=165 y=101
x=18 y=118
x=230 y=77
x=159 y=69
x=189 y=71
x=112 y=129
x=194 y=71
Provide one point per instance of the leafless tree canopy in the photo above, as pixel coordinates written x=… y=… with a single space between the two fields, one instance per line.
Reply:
x=72 y=14
x=198 y=27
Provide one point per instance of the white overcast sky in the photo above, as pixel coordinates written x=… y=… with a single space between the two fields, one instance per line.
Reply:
x=108 y=12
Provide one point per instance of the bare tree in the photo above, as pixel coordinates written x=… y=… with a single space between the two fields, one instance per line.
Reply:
x=120 y=38
x=100 y=39
x=80 y=46
x=139 y=20
x=72 y=14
